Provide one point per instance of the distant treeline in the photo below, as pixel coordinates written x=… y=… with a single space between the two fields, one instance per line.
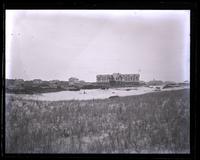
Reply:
x=20 y=86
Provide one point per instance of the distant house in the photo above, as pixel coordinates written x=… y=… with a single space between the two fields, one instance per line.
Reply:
x=14 y=83
x=172 y=85
x=82 y=82
x=142 y=83
x=169 y=82
x=185 y=83
x=155 y=82
x=54 y=81
x=45 y=85
x=37 y=81
x=18 y=81
x=73 y=80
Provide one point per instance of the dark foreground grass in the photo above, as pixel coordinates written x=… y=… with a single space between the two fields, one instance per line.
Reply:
x=149 y=123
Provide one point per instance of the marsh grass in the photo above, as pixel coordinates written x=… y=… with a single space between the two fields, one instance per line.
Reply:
x=150 y=123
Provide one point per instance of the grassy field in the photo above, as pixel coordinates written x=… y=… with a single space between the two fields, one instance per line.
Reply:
x=150 y=123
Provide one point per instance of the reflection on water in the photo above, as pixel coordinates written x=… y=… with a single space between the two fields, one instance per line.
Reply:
x=89 y=94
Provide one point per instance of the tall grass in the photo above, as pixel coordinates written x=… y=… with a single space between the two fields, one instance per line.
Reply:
x=150 y=123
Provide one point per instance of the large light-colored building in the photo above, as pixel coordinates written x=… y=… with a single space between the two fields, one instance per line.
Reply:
x=104 y=78
x=117 y=77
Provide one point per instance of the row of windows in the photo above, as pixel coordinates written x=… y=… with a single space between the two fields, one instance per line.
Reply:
x=108 y=78
x=103 y=78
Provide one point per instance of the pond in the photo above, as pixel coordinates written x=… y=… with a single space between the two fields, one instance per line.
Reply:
x=90 y=93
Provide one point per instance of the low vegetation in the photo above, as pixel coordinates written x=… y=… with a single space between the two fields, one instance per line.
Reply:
x=19 y=86
x=150 y=123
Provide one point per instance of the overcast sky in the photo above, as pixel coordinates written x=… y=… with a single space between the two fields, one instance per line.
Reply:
x=59 y=44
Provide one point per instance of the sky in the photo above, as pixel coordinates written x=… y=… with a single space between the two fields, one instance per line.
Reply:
x=59 y=44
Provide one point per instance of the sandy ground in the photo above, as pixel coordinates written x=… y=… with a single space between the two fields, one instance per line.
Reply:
x=94 y=93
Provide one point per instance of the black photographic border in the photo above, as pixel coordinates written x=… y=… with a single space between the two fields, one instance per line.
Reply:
x=113 y=4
